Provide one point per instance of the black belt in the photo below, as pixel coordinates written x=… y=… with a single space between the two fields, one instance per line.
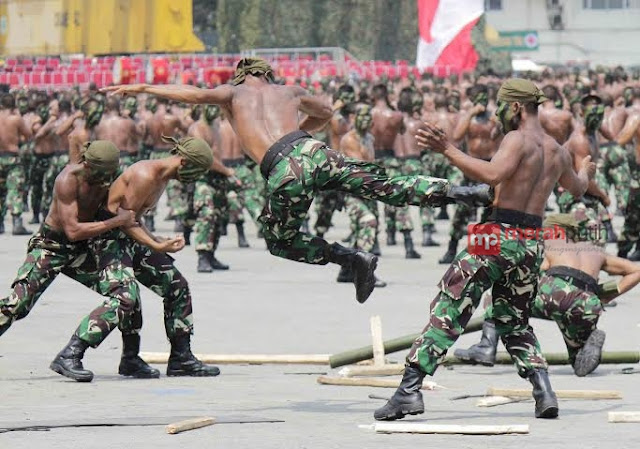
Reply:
x=234 y=162
x=578 y=278
x=279 y=150
x=43 y=156
x=514 y=217
x=57 y=236
x=382 y=154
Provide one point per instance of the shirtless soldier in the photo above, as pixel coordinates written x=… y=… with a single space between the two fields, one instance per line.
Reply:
x=46 y=142
x=121 y=131
x=129 y=254
x=524 y=170
x=266 y=119
x=12 y=128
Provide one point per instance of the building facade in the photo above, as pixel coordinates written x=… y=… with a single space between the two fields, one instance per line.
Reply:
x=605 y=32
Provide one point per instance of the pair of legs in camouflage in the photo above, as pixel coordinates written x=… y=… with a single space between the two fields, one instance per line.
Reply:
x=49 y=253
x=12 y=185
x=614 y=166
x=311 y=167
x=26 y=158
x=631 y=228
x=397 y=218
x=39 y=167
x=59 y=160
x=120 y=263
x=246 y=196
x=512 y=276
x=210 y=206
x=326 y=204
x=363 y=222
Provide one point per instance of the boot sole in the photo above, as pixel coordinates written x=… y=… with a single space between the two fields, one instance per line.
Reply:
x=191 y=374
x=588 y=358
x=400 y=414
x=471 y=361
x=63 y=372
x=155 y=375
x=369 y=282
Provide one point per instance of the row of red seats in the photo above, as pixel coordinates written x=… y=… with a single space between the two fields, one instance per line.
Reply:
x=57 y=80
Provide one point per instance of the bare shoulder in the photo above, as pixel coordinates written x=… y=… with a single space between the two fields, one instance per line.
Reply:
x=140 y=173
x=66 y=182
x=513 y=138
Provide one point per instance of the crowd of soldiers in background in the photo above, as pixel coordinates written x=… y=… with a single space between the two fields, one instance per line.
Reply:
x=595 y=114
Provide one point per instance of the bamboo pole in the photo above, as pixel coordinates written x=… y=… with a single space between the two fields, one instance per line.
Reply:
x=189 y=424
x=451 y=429
x=257 y=359
x=562 y=394
x=370 y=382
x=624 y=417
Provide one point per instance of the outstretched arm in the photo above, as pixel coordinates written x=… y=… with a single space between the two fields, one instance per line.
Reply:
x=318 y=111
x=575 y=183
x=183 y=93
x=620 y=266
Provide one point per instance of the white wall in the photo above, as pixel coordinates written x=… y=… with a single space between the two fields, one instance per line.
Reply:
x=598 y=36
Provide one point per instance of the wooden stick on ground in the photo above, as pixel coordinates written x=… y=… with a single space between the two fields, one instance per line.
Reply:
x=626 y=417
x=492 y=401
x=381 y=370
x=189 y=424
x=562 y=394
x=371 y=382
x=450 y=429
x=376 y=340
x=258 y=359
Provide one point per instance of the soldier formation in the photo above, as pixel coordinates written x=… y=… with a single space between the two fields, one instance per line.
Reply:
x=96 y=165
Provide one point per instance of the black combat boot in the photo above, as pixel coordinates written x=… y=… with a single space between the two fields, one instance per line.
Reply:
x=186 y=233
x=451 y=252
x=149 y=222
x=443 y=215
x=183 y=363
x=2 y=225
x=476 y=195
x=546 y=401
x=68 y=362
x=242 y=240
x=204 y=262
x=178 y=225
x=483 y=352
x=131 y=364
x=634 y=256
x=427 y=235
x=36 y=216
x=407 y=400
x=376 y=247
x=409 y=251
x=18 y=227
x=345 y=275
x=361 y=264
x=611 y=234
x=391 y=236
x=215 y=263
x=589 y=356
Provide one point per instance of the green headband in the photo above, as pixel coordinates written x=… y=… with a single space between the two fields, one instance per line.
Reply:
x=252 y=66
x=522 y=91
x=101 y=155
x=196 y=151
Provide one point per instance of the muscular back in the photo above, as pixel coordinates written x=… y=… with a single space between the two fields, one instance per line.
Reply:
x=11 y=128
x=121 y=131
x=557 y=123
x=387 y=124
x=582 y=256
x=410 y=146
x=162 y=123
x=229 y=142
x=137 y=189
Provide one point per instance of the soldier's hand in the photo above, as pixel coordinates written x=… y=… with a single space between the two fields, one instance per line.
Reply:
x=172 y=245
x=124 y=89
x=589 y=166
x=432 y=137
x=127 y=218
x=478 y=109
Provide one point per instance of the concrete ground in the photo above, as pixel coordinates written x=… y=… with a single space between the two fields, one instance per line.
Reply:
x=266 y=305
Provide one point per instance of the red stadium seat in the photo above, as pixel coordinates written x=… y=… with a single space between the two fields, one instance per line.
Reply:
x=4 y=78
x=46 y=78
x=15 y=79
x=53 y=63
x=34 y=79
x=11 y=62
x=82 y=77
x=56 y=78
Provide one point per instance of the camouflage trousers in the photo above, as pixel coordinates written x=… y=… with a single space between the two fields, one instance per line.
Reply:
x=210 y=205
x=576 y=311
x=155 y=154
x=120 y=262
x=26 y=159
x=614 y=166
x=127 y=160
x=39 y=167
x=326 y=204
x=589 y=212
x=313 y=167
x=58 y=162
x=395 y=217
x=49 y=253
x=436 y=165
x=363 y=222
x=463 y=215
x=246 y=196
x=631 y=228
x=12 y=178
x=512 y=276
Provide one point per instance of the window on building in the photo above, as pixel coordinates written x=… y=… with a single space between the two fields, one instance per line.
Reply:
x=492 y=5
x=610 y=4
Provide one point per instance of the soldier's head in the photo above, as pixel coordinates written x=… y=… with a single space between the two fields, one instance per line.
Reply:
x=22 y=103
x=593 y=112
x=211 y=112
x=440 y=101
x=380 y=92
x=454 y=99
x=196 y=112
x=364 y=118
x=196 y=157
x=552 y=93
x=92 y=111
x=8 y=102
x=515 y=97
x=131 y=105
x=101 y=160
x=151 y=104
x=478 y=94
x=405 y=100
x=64 y=105
x=112 y=105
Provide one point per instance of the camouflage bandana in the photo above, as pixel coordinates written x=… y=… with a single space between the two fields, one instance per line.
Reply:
x=103 y=160
x=151 y=104
x=198 y=155
x=566 y=221
x=347 y=97
x=23 y=105
x=211 y=112
x=593 y=116
x=520 y=90
x=627 y=94
x=131 y=105
x=43 y=112
x=196 y=112
x=363 y=118
x=482 y=98
x=93 y=112
x=254 y=67
x=417 y=102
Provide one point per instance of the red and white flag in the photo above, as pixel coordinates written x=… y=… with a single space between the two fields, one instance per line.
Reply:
x=445 y=33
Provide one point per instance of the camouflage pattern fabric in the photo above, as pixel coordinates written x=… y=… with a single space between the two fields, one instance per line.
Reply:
x=12 y=178
x=210 y=205
x=120 y=262
x=614 y=167
x=363 y=222
x=436 y=165
x=245 y=197
x=49 y=253
x=326 y=204
x=512 y=276
x=145 y=152
x=463 y=215
x=177 y=199
x=26 y=158
x=589 y=212
x=575 y=311
x=313 y=167
x=58 y=162
x=396 y=217
x=39 y=167
x=631 y=228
